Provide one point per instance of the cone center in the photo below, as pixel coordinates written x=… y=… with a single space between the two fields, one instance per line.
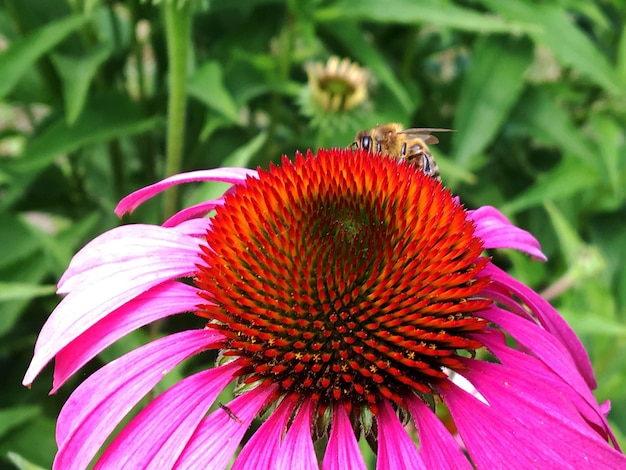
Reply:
x=344 y=276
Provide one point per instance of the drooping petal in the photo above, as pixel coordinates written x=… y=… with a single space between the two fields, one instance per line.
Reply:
x=342 y=450
x=218 y=435
x=396 y=449
x=156 y=436
x=497 y=231
x=548 y=317
x=97 y=406
x=571 y=383
x=263 y=448
x=112 y=270
x=161 y=301
x=297 y=447
x=541 y=343
x=225 y=175
x=437 y=445
x=198 y=210
x=520 y=423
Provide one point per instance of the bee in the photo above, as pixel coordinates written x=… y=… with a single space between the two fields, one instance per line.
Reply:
x=396 y=142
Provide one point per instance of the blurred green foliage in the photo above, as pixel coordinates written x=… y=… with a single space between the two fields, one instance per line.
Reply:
x=536 y=91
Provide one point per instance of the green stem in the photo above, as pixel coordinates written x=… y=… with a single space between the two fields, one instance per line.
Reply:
x=177 y=30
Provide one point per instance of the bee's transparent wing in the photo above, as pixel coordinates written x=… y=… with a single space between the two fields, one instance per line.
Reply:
x=424 y=133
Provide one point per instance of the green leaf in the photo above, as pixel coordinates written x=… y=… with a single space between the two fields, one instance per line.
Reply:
x=15 y=236
x=493 y=84
x=22 y=54
x=557 y=30
x=609 y=142
x=21 y=463
x=621 y=58
x=21 y=291
x=35 y=441
x=550 y=123
x=244 y=154
x=77 y=74
x=31 y=270
x=429 y=12
x=591 y=323
x=13 y=417
x=105 y=118
x=567 y=179
x=569 y=240
x=207 y=85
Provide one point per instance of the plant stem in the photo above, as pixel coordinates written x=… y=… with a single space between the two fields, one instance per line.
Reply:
x=177 y=31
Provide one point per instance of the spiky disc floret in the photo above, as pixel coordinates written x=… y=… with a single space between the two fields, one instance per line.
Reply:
x=344 y=276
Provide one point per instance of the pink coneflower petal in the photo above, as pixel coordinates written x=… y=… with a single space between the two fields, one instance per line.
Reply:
x=543 y=345
x=262 y=450
x=199 y=210
x=298 y=444
x=110 y=271
x=396 y=449
x=571 y=384
x=436 y=443
x=497 y=232
x=549 y=319
x=157 y=436
x=342 y=450
x=529 y=433
x=225 y=175
x=218 y=435
x=159 y=302
x=125 y=248
x=101 y=402
x=194 y=227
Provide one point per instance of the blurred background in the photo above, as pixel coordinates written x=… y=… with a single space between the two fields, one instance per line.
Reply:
x=99 y=98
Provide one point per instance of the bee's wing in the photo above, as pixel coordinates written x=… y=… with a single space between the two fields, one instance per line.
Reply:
x=424 y=133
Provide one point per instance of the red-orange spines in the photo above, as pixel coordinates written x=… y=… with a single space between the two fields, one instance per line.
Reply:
x=345 y=276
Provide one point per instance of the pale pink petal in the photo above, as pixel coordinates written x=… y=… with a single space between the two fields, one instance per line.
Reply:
x=437 y=445
x=98 y=405
x=123 y=248
x=193 y=212
x=342 y=450
x=262 y=450
x=216 y=439
x=110 y=271
x=225 y=175
x=497 y=232
x=194 y=227
x=297 y=448
x=156 y=437
x=520 y=423
x=548 y=317
x=163 y=300
x=396 y=449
